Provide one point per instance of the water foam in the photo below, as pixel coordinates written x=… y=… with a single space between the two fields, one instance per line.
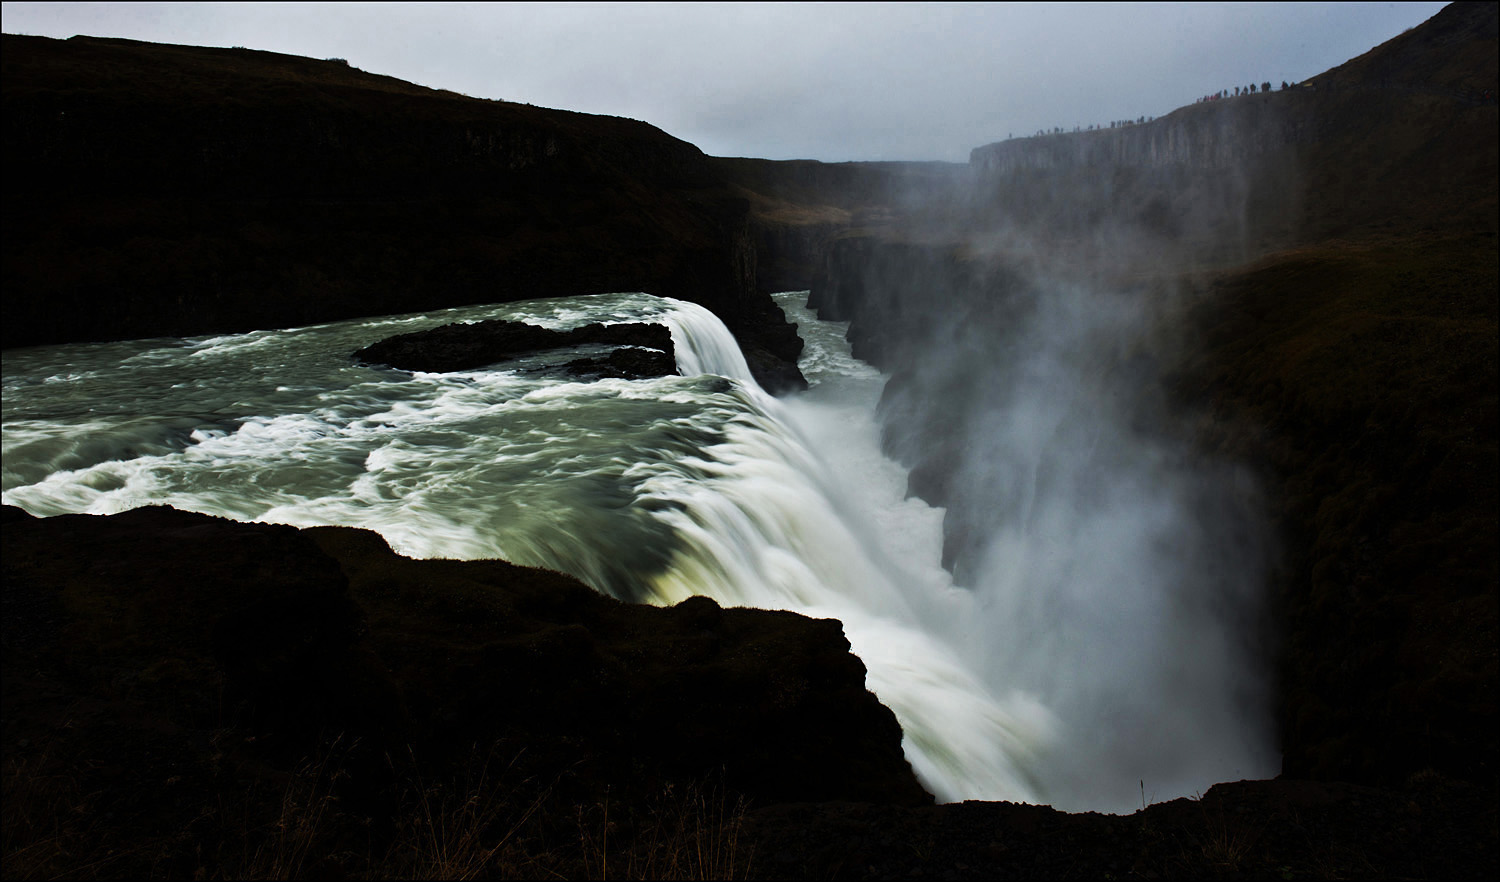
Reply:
x=648 y=490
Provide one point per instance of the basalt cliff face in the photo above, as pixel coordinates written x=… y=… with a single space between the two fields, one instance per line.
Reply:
x=798 y=208
x=1322 y=266
x=1202 y=136
x=157 y=190
x=1394 y=139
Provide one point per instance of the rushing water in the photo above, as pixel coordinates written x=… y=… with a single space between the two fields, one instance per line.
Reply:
x=649 y=490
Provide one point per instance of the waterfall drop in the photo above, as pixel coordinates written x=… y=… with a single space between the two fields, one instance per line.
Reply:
x=648 y=490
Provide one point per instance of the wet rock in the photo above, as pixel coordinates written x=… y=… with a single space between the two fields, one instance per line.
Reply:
x=775 y=375
x=461 y=346
x=625 y=364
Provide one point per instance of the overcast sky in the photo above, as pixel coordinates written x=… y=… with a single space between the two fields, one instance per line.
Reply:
x=838 y=81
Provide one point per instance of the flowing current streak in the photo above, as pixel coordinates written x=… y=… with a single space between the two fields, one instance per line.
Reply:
x=648 y=490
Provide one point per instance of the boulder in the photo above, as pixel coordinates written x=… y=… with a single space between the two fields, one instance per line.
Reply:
x=460 y=347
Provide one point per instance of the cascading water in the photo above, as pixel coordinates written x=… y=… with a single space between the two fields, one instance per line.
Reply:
x=648 y=490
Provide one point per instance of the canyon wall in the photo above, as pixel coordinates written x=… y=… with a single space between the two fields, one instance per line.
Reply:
x=1223 y=134
x=1320 y=265
x=799 y=207
x=1393 y=139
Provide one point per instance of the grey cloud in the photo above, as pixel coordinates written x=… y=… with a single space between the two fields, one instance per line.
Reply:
x=835 y=81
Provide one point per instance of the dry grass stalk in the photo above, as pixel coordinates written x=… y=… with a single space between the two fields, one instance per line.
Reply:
x=689 y=835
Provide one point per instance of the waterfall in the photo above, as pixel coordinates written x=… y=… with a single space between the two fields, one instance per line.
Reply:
x=703 y=344
x=760 y=521
x=648 y=490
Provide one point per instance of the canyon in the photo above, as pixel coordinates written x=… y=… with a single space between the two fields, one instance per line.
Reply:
x=1327 y=258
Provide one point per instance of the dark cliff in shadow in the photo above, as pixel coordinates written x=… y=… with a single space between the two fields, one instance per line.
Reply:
x=156 y=190
x=798 y=208
x=197 y=660
x=190 y=696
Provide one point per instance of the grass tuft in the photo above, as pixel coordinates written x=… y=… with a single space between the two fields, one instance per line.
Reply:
x=691 y=832
x=317 y=821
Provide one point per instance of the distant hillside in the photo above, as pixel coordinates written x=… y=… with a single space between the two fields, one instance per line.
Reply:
x=171 y=190
x=1402 y=135
x=338 y=131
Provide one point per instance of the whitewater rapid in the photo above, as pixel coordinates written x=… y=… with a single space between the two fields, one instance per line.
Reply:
x=648 y=490
x=1096 y=661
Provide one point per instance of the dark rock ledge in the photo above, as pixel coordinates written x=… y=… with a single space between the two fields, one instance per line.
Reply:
x=186 y=696
x=182 y=623
x=459 y=347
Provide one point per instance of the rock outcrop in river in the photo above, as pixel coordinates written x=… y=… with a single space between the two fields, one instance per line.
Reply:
x=646 y=349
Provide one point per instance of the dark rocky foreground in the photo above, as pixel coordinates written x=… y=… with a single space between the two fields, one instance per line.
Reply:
x=157 y=660
x=181 y=690
x=288 y=633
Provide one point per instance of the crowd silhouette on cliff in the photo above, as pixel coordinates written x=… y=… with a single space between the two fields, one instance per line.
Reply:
x=1233 y=92
x=1114 y=124
x=1242 y=90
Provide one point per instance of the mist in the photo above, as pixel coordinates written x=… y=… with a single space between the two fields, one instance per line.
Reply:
x=1125 y=571
x=1030 y=322
x=1119 y=574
